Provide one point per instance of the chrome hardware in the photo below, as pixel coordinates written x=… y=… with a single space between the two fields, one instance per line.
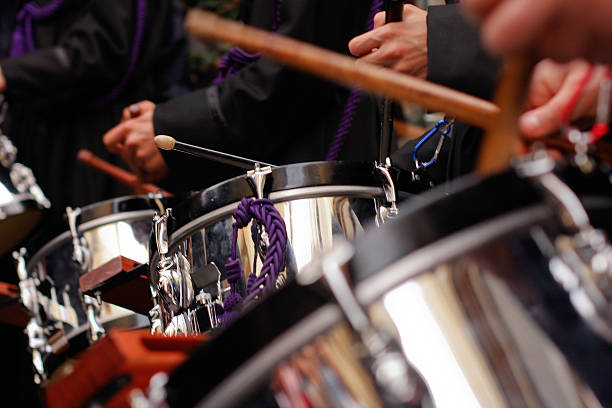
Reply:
x=155 y=396
x=93 y=306
x=28 y=294
x=8 y=151
x=155 y=317
x=172 y=282
x=580 y=261
x=205 y=299
x=389 y=211
x=257 y=179
x=80 y=253
x=24 y=181
x=391 y=370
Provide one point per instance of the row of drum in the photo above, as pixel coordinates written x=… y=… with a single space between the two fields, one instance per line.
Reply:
x=494 y=292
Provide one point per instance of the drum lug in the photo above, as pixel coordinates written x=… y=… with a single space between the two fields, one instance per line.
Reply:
x=389 y=211
x=25 y=182
x=92 y=307
x=8 y=151
x=173 y=285
x=80 y=253
x=257 y=179
x=155 y=396
x=155 y=317
x=28 y=294
x=205 y=299
x=391 y=370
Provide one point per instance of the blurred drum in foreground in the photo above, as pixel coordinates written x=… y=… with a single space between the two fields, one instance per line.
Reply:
x=489 y=293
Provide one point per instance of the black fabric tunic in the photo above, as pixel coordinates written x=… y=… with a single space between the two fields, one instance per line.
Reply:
x=269 y=112
x=83 y=52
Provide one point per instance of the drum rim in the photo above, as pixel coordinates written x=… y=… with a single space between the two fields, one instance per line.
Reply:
x=66 y=236
x=95 y=215
x=277 y=197
x=408 y=267
x=288 y=177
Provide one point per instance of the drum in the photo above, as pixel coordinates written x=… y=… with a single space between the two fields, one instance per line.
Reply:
x=313 y=201
x=491 y=293
x=22 y=202
x=65 y=320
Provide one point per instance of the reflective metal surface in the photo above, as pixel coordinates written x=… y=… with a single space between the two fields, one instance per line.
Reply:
x=314 y=213
x=474 y=300
x=69 y=319
x=21 y=199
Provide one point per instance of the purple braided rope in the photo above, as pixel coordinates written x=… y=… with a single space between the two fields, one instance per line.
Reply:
x=352 y=103
x=263 y=211
x=237 y=58
x=141 y=19
x=23 y=36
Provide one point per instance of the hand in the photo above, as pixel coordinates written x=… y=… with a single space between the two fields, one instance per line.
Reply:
x=552 y=86
x=133 y=140
x=402 y=46
x=561 y=29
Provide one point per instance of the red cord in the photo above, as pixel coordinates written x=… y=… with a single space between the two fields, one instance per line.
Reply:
x=566 y=113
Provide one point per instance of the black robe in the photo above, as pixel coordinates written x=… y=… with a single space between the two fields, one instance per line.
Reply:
x=269 y=112
x=54 y=92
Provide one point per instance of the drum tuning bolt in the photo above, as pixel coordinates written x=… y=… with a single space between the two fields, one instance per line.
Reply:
x=155 y=396
x=28 y=294
x=389 y=211
x=174 y=288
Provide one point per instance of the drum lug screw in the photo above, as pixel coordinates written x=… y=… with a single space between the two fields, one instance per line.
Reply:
x=257 y=179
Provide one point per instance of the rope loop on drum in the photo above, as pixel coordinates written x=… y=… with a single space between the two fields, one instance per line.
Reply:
x=263 y=211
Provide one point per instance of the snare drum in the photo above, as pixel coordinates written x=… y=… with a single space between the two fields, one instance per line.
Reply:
x=317 y=201
x=22 y=202
x=484 y=288
x=65 y=320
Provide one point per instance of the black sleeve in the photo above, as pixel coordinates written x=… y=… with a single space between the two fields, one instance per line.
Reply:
x=264 y=96
x=90 y=57
x=456 y=56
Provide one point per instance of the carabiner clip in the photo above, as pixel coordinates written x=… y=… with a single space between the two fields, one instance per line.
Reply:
x=446 y=128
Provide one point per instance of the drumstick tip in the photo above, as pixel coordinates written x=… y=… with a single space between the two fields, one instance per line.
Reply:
x=84 y=155
x=164 y=142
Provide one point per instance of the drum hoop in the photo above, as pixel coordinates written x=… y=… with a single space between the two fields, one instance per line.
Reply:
x=263 y=362
x=277 y=197
x=248 y=375
x=89 y=225
x=421 y=260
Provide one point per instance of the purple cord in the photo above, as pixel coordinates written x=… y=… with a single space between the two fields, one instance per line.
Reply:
x=22 y=41
x=352 y=103
x=263 y=211
x=237 y=58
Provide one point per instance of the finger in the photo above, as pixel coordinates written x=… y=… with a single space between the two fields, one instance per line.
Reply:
x=114 y=138
x=511 y=27
x=379 y=19
x=545 y=119
x=364 y=44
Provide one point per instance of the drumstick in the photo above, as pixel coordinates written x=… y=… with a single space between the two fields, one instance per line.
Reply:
x=118 y=173
x=500 y=141
x=166 y=142
x=341 y=68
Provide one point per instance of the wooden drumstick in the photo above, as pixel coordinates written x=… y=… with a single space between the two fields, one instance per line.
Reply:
x=343 y=69
x=500 y=141
x=124 y=177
